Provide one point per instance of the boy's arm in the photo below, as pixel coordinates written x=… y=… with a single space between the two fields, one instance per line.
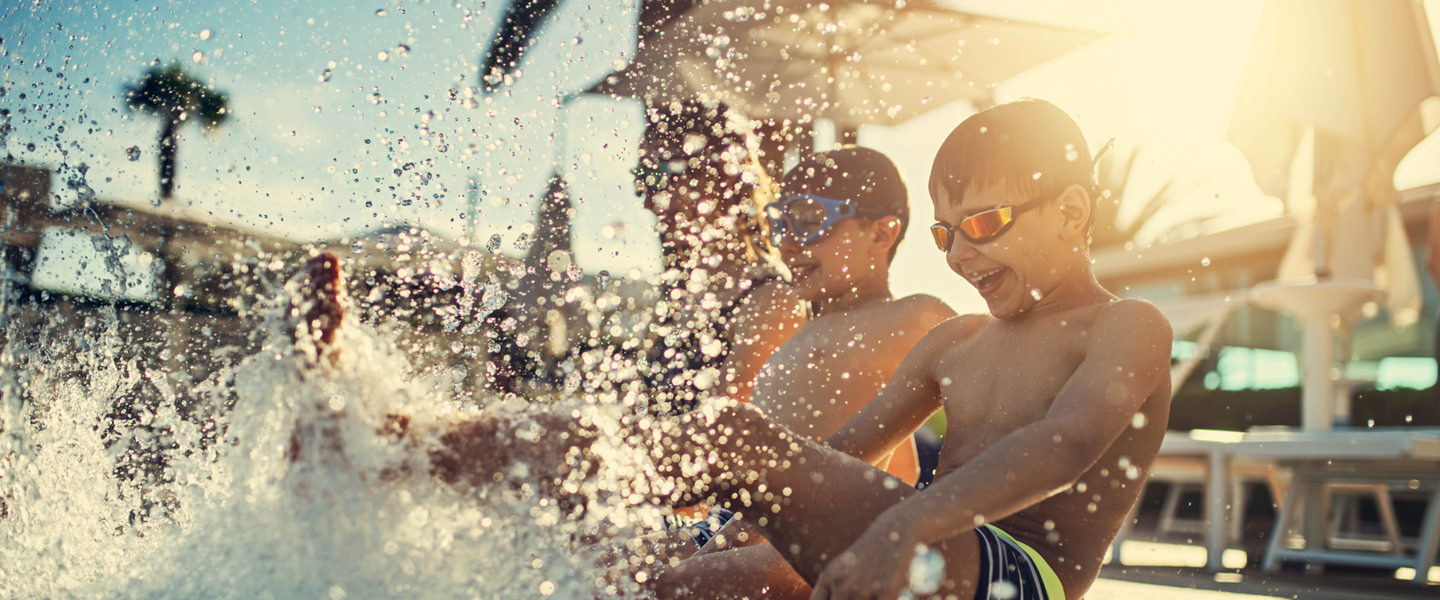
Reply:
x=904 y=404
x=762 y=323
x=1126 y=362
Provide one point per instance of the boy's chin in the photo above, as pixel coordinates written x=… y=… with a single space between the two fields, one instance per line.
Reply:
x=1004 y=308
x=810 y=293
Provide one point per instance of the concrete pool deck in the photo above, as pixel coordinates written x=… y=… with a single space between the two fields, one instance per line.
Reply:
x=1172 y=571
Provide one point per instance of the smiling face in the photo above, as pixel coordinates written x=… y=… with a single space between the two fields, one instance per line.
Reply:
x=859 y=193
x=1010 y=155
x=837 y=264
x=1024 y=266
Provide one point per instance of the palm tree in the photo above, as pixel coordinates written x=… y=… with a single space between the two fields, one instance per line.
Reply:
x=176 y=98
x=1115 y=176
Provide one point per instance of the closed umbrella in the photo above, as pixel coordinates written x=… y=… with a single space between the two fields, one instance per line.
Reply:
x=1348 y=85
x=1334 y=94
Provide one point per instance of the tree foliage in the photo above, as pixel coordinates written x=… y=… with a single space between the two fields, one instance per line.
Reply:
x=176 y=98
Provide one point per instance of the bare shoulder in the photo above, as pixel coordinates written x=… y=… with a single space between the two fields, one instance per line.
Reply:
x=951 y=332
x=923 y=308
x=1132 y=335
x=1132 y=318
x=770 y=295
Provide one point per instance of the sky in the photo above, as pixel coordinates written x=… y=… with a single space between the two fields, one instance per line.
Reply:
x=346 y=119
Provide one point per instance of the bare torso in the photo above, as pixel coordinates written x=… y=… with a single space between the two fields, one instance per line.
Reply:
x=998 y=376
x=838 y=362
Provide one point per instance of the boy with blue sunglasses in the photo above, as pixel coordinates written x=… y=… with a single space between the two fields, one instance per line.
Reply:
x=840 y=217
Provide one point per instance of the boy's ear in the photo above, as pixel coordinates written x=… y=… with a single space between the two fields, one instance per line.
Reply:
x=1075 y=207
x=886 y=231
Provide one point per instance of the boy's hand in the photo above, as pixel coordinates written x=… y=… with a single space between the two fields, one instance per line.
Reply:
x=872 y=568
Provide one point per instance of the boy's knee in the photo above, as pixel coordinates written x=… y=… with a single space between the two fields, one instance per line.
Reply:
x=742 y=425
x=740 y=415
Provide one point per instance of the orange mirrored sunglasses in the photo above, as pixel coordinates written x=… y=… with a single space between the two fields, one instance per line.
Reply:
x=983 y=226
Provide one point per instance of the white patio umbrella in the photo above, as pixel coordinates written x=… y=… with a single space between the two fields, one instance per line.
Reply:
x=851 y=61
x=1350 y=87
x=1334 y=95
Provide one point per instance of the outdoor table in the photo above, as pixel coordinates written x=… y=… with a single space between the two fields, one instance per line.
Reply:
x=1188 y=451
x=1320 y=458
x=1317 y=305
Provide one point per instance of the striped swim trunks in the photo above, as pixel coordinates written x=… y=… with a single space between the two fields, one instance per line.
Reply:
x=1011 y=570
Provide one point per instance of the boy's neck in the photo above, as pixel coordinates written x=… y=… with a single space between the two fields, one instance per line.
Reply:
x=1082 y=289
x=873 y=290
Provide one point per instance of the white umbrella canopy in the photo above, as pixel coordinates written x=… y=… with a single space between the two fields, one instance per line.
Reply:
x=1335 y=93
x=1356 y=70
x=852 y=61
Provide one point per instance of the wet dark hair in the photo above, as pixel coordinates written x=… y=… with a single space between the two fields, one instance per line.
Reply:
x=860 y=175
x=1030 y=145
x=716 y=139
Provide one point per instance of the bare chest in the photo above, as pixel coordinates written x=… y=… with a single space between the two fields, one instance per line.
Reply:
x=1002 y=379
x=824 y=375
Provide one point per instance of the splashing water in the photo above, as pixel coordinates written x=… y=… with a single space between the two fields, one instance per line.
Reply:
x=269 y=480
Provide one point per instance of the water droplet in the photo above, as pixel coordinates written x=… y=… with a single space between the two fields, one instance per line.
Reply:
x=1205 y=262
x=602 y=279
x=132 y=153
x=1071 y=154
x=402 y=50
x=204 y=34
x=493 y=245
x=1139 y=421
x=1004 y=590
x=197 y=57
x=325 y=75
x=1034 y=293
x=382 y=56
x=927 y=570
x=380 y=12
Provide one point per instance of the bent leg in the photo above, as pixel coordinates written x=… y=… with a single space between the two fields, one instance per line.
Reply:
x=813 y=502
x=750 y=572
x=318 y=305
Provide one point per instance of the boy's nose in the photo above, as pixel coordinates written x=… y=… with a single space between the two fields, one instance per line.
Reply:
x=790 y=247
x=961 y=249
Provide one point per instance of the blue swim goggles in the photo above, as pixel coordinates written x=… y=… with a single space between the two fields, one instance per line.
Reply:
x=807 y=218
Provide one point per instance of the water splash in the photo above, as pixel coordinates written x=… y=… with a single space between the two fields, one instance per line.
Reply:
x=270 y=479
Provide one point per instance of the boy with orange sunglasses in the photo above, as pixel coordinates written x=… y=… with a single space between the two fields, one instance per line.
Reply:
x=1056 y=403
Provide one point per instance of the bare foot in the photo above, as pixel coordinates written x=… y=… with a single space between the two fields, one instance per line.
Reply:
x=319 y=305
x=318 y=309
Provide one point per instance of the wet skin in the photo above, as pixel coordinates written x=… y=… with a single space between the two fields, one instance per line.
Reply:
x=842 y=358
x=1057 y=402
x=815 y=383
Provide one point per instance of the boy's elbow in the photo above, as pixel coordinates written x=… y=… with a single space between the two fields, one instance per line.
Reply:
x=1074 y=453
